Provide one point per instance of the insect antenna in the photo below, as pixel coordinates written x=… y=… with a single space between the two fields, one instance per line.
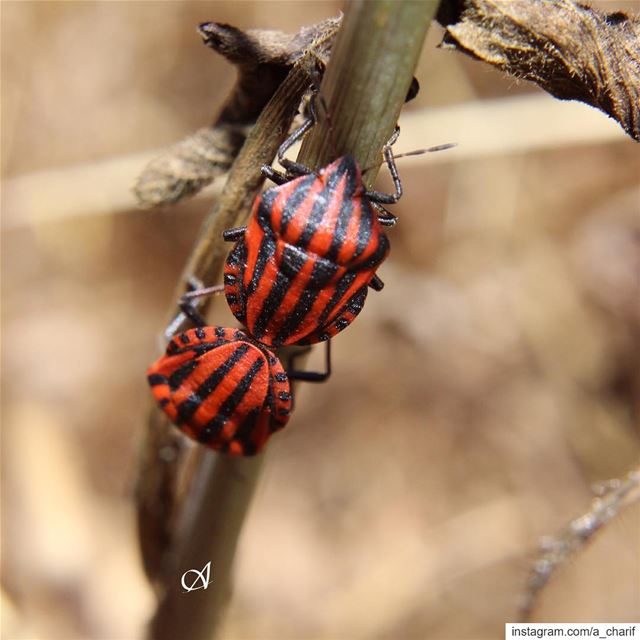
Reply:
x=419 y=152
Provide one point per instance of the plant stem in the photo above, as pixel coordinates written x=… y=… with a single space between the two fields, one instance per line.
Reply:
x=366 y=82
x=207 y=526
x=368 y=78
x=365 y=86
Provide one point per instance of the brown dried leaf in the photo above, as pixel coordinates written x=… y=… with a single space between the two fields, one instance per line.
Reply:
x=570 y=50
x=263 y=59
x=189 y=165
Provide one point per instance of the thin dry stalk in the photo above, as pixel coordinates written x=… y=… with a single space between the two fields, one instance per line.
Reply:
x=207 y=527
x=555 y=551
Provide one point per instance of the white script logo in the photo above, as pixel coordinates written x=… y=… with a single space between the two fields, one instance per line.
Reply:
x=200 y=579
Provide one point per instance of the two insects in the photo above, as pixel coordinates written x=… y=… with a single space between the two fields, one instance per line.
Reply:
x=298 y=274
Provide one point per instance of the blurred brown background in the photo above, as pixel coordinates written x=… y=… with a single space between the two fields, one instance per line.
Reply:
x=474 y=403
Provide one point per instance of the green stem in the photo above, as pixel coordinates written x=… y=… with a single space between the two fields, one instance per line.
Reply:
x=367 y=79
x=366 y=82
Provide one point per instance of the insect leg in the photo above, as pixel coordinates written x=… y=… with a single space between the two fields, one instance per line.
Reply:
x=378 y=197
x=177 y=323
x=386 y=218
x=376 y=284
x=293 y=168
x=190 y=310
x=275 y=176
x=309 y=376
x=233 y=235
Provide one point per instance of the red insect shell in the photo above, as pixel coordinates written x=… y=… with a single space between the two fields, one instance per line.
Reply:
x=222 y=389
x=312 y=246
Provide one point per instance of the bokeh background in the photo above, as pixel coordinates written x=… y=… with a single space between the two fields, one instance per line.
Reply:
x=473 y=405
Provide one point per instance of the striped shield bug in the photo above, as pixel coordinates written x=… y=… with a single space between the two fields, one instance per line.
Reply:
x=222 y=389
x=300 y=270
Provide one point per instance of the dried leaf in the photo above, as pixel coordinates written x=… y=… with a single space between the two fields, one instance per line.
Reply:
x=263 y=59
x=189 y=165
x=569 y=49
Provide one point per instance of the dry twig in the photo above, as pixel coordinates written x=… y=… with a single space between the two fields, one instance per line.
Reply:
x=157 y=485
x=555 y=551
x=187 y=519
x=263 y=59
